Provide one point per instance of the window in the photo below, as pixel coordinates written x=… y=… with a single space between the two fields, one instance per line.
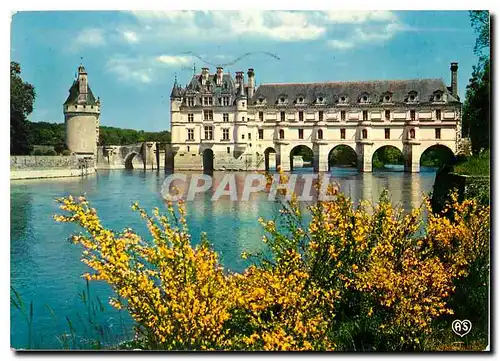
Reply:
x=438 y=133
x=243 y=104
x=261 y=134
x=188 y=148
x=242 y=119
x=261 y=116
x=225 y=117
x=412 y=114
x=282 y=134
x=209 y=133
x=438 y=114
x=243 y=136
x=365 y=133
x=342 y=133
x=342 y=115
x=190 y=102
x=320 y=116
x=387 y=133
x=228 y=150
x=301 y=133
x=225 y=134
x=207 y=100
x=320 y=134
x=249 y=136
x=301 y=116
x=365 y=114
x=190 y=134
x=208 y=115
x=387 y=115
x=282 y=116
x=412 y=133
x=225 y=101
x=190 y=118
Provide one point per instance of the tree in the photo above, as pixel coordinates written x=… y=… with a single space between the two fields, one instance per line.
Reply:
x=22 y=97
x=476 y=109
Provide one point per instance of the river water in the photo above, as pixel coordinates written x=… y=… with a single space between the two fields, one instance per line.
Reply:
x=46 y=267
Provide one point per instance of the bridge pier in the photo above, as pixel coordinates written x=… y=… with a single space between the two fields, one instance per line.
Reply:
x=411 y=153
x=364 y=150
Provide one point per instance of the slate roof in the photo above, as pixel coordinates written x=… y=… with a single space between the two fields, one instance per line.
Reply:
x=73 y=95
x=332 y=92
x=228 y=87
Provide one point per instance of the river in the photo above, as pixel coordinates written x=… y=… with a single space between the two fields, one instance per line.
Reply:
x=46 y=267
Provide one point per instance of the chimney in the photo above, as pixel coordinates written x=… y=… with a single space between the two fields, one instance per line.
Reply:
x=204 y=76
x=251 y=82
x=219 y=75
x=454 y=79
x=82 y=85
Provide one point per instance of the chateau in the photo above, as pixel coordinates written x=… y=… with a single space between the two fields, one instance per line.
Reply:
x=225 y=123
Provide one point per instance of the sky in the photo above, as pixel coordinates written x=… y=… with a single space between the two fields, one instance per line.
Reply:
x=133 y=57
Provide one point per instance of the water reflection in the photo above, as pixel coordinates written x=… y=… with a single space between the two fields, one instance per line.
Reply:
x=46 y=268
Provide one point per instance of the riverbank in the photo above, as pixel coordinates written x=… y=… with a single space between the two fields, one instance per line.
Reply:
x=39 y=167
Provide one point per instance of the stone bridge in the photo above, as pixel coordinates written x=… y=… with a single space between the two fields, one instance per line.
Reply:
x=145 y=155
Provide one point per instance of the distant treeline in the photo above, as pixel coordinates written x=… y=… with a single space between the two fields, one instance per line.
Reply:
x=53 y=134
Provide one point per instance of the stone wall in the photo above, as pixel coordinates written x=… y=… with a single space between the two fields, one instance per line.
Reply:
x=467 y=186
x=26 y=167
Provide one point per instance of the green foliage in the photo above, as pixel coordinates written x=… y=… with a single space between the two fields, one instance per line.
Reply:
x=342 y=155
x=478 y=164
x=305 y=152
x=480 y=21
x=436 y=156
x=476 y=108
x=387 y=155
x=53 y=134
x=22 y=97
x=118 y=136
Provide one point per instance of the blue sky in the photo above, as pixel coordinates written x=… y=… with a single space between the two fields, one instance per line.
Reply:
x=132 y=57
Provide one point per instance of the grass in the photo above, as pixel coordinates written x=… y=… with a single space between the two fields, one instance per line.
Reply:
x=478 y=165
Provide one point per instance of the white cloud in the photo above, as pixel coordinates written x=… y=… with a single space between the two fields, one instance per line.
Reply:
x=91 y=37
x=131 y=36
x=136 y=70
x=340 y=29
x=340 y=44
x=174 y=60
x=367 y=33
x=143 y=69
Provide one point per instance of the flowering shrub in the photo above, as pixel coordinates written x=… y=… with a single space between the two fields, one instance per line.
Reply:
x=354 y=278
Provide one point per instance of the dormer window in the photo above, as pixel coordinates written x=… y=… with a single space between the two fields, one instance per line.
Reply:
x=437 y=96
x=282 y=99
x=364 y=98
x=387 y=97
x=300 y=99
x=261 y=100
x=412 y=97
x=343 y=99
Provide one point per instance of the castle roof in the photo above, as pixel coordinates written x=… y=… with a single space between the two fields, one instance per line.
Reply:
x=73 y=95
x=399 y=91
x=228 y=87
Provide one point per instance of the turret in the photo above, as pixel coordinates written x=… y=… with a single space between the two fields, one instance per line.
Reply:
x=81 y=117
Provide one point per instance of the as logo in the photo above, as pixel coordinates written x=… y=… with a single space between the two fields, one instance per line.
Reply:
x=461 y=328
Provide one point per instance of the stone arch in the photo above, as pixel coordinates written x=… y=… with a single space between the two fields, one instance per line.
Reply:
x=133 y=160
x=386 y=156
x=345 y=159
x=208 y=160
x=298 y=148
x=436 y=155
x=268 y=158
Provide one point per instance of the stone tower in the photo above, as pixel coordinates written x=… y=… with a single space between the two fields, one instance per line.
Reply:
x=81 y=117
